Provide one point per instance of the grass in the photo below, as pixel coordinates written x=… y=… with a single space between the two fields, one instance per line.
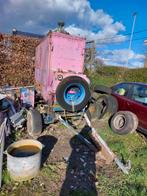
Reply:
x=104 y=80
x=6 y=177
x=50 y=171
x=109 y=75
x=132 y=147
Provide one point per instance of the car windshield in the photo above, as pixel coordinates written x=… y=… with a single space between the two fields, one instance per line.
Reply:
x=139 y=94
x=121 y=89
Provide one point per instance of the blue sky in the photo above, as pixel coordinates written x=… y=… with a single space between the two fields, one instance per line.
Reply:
x=105 y=21
x=122 y=11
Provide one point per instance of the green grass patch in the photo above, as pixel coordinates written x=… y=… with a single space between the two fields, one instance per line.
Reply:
x=6 y=177
x=110 y=75
x=129 y=147
x=50 y=172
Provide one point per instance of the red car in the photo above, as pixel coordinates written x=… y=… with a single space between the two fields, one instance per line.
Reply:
x=132 y=96
x=127 y=104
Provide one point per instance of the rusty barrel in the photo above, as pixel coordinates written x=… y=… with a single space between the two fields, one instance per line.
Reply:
x=24 y=159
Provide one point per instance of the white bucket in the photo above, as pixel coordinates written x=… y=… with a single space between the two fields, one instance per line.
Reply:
x=24 y=159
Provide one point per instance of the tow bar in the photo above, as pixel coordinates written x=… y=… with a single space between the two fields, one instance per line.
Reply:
x=105 y=151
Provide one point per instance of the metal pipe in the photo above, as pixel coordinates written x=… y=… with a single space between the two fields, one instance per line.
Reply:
x=83 y=139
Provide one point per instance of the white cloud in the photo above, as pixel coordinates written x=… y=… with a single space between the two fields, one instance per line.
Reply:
x=38 y=15
x=119 y=58
x=101 y=37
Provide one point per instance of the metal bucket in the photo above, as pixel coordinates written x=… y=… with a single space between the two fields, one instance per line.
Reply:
x=24 y=159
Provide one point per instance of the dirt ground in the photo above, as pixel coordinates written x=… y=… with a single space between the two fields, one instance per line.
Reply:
x=69 y=167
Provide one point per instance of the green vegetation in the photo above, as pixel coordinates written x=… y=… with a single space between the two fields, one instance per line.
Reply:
x=109 y=75
x=132 y=147
x=50 y=172
x=136 y=75
x=6 y=177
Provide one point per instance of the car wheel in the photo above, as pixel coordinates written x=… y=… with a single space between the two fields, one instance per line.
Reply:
x=102 y=89
x=73 y=93
x=123 y=122
x=34 y=123
x=135 y=120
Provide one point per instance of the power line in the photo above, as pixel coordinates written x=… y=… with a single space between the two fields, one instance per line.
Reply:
x=125 y=34
x=137 y=39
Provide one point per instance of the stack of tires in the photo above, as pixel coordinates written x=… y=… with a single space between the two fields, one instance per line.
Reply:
x=121 y=122
x=103 y=101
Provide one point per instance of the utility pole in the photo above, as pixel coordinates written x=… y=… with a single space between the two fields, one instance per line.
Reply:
x=90 y=53
x=131 y=37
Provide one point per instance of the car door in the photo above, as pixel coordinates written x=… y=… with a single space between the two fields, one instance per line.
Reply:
x=137 y=103
x=122 y=98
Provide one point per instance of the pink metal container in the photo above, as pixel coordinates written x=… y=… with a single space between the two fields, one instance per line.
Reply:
x=58 y=56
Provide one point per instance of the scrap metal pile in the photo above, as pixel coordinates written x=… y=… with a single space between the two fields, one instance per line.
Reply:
x=17 y=59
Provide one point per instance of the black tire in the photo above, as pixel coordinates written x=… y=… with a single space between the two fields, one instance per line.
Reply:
x=112 y=104
x=34 y=123
x=101 y=106
x=102 y=89
x=106 y=104
x=123 y=122
x=72 y=82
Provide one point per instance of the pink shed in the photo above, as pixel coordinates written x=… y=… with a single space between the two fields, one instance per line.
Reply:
x=58 y=55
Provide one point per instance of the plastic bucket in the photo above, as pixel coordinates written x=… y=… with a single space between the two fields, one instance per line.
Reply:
x=24 y=159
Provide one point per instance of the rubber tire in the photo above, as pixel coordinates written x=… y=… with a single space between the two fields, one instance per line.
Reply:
x=112 y=104
x=60 y=93
x=135 y=118
x=106 y=104
x=101 y=106
x=129 y=126
x=102 y=89
x=34 y=123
